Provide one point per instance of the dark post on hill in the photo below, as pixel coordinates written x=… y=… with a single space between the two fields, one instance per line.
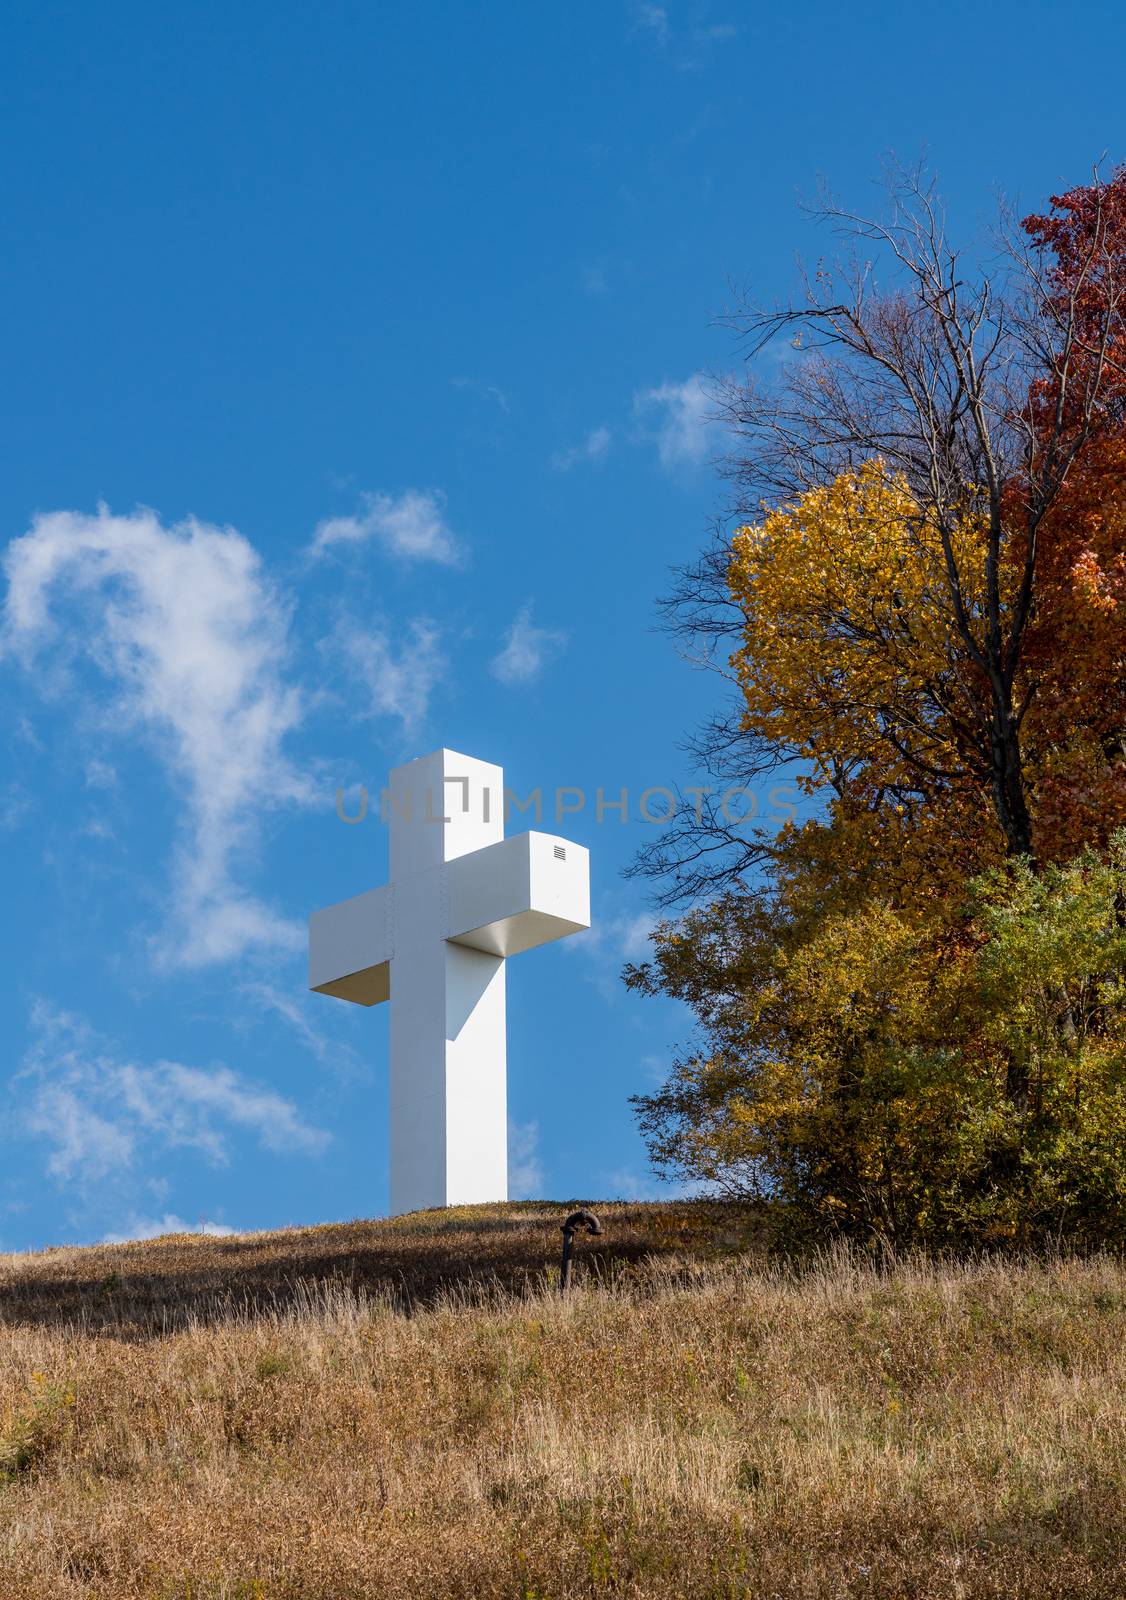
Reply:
x=577 y=1220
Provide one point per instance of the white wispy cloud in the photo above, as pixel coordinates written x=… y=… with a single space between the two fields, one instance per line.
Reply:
x=97 y=1112
x=525 y=1168
x=613 y=938
x=655 y=1068
x=627 y=1183
x=683 y=414
x=81 y=1140
x=283 y=1003
x=593 y=448
x=411 y=525
x=396 y=679
x=655 y=18
x=15 y=803
x=527 y=649
x=618 y=936
x=141 y=1228
x=198 y=1107
x=688 y=45
x=191 y=639
x=488 y=391
x=100 y=775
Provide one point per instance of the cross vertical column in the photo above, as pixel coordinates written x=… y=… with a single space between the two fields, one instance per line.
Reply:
x=448 y=1100
x=435 y=941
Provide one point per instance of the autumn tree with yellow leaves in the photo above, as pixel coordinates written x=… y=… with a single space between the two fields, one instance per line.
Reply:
x=849 y=659
x=927 y=625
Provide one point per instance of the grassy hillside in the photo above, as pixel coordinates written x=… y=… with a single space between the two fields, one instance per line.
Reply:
x=407 y=1409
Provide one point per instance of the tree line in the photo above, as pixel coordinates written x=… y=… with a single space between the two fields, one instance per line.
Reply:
x=911 y=1007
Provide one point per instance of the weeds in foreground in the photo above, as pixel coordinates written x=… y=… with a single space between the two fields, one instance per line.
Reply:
x=710 y=1428
x=33 y=1428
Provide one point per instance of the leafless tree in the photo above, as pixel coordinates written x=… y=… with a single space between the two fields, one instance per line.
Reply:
x=980 y=385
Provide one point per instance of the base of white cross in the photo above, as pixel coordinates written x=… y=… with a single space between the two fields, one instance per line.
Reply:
x=434 y=941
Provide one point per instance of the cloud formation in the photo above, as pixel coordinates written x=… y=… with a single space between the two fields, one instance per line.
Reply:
x=687 y=45
x=394 y=679
x=683 y=418
x=615 y=937
x=525 y=1169
x=527 y=649
x=140 y=1228
x=593 y=448
x=654 y=17
x=98 y=1113
x=412 y=526
x=191 y=640
x=627 y=1183
x=488 y=391
x=15 y=804
x=295 y=1013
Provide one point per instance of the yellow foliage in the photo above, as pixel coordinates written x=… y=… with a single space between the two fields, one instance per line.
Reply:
x=849 y=659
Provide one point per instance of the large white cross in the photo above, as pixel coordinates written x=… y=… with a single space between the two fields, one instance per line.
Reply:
x=433 y=941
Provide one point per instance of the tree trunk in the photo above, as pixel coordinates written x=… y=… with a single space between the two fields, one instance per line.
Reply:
x=1009 y=800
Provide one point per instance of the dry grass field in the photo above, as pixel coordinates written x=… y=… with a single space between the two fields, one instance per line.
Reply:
x=409 y=1409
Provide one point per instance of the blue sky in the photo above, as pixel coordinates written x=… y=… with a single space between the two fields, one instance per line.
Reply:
x=355 y=403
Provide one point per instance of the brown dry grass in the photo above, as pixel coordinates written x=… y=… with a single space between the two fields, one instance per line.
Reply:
x=356 y=1411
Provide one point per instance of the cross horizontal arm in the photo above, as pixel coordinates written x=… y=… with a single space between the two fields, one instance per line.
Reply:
x=518 y=894
x=350 y=946
x=502 y=899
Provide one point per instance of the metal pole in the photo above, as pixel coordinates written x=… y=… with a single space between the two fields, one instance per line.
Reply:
x=565 y=1273
x=578 y=1219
